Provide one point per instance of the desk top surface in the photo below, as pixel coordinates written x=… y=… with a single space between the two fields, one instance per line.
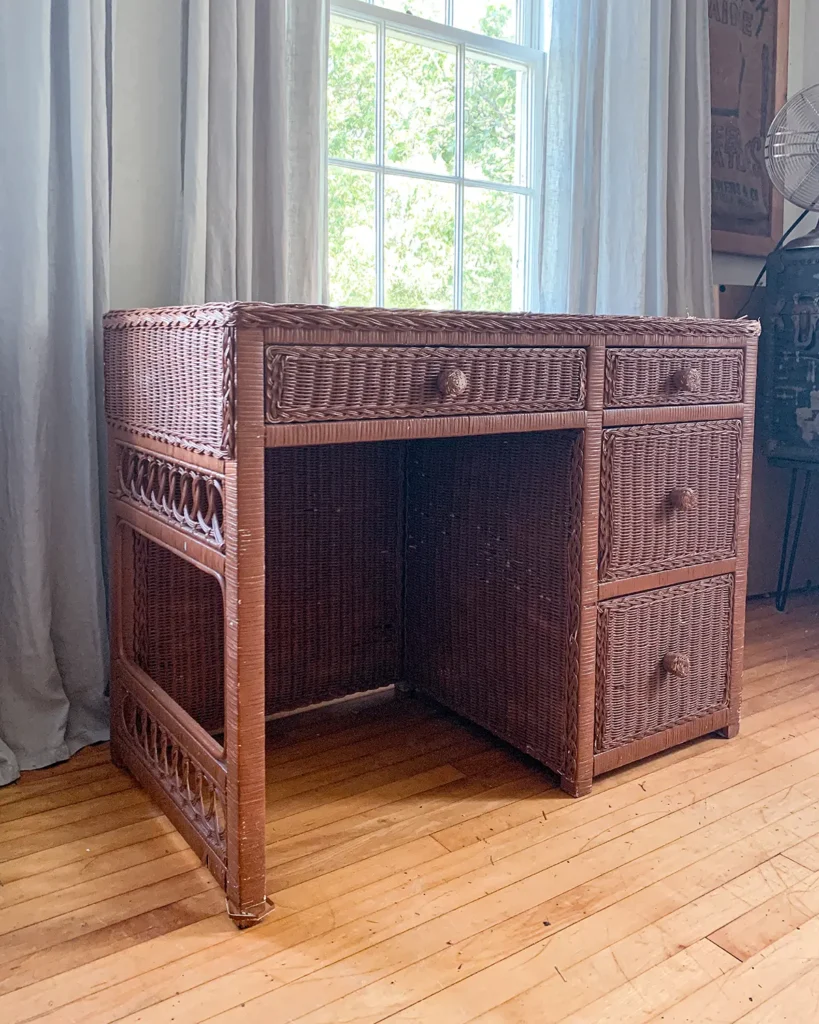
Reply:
x=384 y=321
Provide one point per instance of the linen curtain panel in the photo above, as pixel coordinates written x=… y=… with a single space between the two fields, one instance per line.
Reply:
x=626 y=215
x=254 y=150
x=53 y=291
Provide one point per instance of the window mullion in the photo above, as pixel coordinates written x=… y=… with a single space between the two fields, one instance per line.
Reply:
x=460 y=81
x=534 y=156
x=533 y=12
x=380 y=64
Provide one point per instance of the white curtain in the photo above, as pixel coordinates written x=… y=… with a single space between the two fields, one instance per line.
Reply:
x=53 y=291
x=254 y=128
x=626 y=218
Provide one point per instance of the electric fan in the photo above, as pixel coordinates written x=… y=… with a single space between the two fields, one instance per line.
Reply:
x=792 y=156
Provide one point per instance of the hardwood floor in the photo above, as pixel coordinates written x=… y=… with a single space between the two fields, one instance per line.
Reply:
x=423 y=873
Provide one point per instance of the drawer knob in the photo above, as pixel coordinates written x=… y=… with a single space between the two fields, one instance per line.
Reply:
x=452 y=383
x=683 y=499
x=677 y=664
x=687 y=379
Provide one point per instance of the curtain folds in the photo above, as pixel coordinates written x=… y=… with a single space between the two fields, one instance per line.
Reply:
x=53 y=291
x=253 y=145
x=626 y=215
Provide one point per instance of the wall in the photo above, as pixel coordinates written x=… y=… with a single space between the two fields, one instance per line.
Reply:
x=770 y=488
x=146 y=147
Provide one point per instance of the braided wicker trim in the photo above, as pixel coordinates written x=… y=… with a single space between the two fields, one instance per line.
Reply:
x=647 y=598
x=229 y=391
x=258 y=314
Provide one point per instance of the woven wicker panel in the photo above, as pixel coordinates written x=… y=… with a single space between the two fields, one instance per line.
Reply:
x=668 y=496
x=178 y=631
x=673 y=376
x=492 y=596
x=346 y=383
x=333 y=522
x=174 y=384
x=688 y=627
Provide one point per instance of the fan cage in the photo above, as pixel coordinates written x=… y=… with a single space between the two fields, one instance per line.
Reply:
x=792 y=150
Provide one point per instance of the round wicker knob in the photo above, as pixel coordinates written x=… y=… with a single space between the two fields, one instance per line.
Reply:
x=452 y=383
x=677 y=664
x=683 y=499
x=688 y=379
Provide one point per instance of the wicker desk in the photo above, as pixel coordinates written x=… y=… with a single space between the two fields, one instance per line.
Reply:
x=541 y=522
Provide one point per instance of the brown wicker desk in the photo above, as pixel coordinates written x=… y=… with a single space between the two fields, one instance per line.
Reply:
x=549 y=537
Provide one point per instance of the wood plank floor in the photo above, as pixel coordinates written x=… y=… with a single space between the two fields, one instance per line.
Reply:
x=424 y=873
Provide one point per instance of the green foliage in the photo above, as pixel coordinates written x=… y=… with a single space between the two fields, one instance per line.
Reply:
x=435 y=10
x=419 y=228
x=351 y=237
x=419 y=243
x=490 y=120
x=351 y=91
x=491 y=19
x=489 y=223
x=419 y=107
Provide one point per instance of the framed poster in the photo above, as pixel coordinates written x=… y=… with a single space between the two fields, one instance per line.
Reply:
x=749 y=74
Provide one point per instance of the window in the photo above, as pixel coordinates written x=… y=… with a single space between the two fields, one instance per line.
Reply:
x=433 y=153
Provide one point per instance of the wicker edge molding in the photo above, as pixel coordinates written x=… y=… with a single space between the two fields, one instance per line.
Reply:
x=259 y=314
x=182 y=443
x=229 y=391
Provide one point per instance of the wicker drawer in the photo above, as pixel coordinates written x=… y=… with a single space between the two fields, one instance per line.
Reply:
x=668 y=496
x=663 y=659
x=309 y=383
x=673 y=376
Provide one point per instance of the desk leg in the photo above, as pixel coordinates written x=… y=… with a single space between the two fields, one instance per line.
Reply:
x=743 y=528
x=244 y=639
x=577 y=779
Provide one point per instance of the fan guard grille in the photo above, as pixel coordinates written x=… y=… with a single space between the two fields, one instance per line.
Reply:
x=792 y=149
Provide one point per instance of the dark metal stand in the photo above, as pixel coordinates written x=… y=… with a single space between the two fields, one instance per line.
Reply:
x=783 y=585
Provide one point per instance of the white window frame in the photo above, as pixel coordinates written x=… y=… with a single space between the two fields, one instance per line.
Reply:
x=527 y=51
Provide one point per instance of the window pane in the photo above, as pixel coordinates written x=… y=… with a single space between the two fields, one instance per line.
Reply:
x=491 y=98
x=434 y=10
x=351 y=233
x=351 y=90
x=419 y=243
x=492 y=265
x=419 y=121
x=496 y=18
